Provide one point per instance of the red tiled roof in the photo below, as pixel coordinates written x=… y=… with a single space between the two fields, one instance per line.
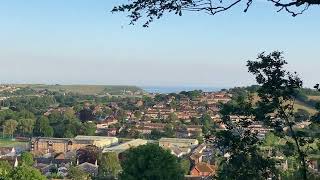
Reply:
x=205 y=167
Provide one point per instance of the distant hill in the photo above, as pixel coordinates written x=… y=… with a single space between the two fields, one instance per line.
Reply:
x=298 y=105
x=87 y=89
x=307 y=98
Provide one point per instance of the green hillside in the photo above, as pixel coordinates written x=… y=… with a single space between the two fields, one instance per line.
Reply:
x=86 y=89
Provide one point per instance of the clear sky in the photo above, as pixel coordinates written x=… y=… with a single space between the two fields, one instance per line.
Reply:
x=81 y=42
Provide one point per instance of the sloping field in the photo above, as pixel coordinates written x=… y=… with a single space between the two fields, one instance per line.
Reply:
x=85 y=89
x=301 y=105
x=297 y=105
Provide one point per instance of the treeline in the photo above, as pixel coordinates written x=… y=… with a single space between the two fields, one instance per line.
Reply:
x=57 y=124
x=19 y=92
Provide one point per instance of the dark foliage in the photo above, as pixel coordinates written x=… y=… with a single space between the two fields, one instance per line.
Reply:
x=150 y=162
x=155 y=9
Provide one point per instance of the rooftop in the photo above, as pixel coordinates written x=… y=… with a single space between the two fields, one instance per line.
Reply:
x=95 y=138
x=127 y=145
x=178 y=140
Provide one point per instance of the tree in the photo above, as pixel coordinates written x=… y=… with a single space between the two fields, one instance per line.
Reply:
x=43 y=128
x=271 y=140
x=206 y=121
x=86 y=114
x=244 y=161
x=169 y=131
x=5 y=169
x=195 y=121
x=26 y=114
x=277 y=94
x=26 y=173
x=155 y=9
x=26 y=126
x=185 y=165
x=88 y=128
x=109 y=165
x=10 y=126
x=155 y=134
x=138 y=114
x=150 y=162
x=27 y=159
x=76 y=173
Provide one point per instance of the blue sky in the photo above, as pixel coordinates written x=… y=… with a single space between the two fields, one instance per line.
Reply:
x=81 y=42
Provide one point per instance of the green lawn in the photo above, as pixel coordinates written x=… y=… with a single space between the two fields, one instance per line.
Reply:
x=11 y=143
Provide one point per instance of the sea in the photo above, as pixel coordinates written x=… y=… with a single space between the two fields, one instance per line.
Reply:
x=177 y=89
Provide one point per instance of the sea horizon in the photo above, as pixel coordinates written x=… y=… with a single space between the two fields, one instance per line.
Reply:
x=177 y=89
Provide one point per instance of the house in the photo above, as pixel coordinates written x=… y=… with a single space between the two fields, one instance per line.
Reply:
x=186 y=132
x=183 y=115
x=197 y=154
x=196 y=158
x=194 y=130
x=157 y=126
x=143 y=130
x=44 y=168
x=146 y=128
x=7 y=151
x=64 y=158
x=203 y=169
x=62 y=171
x=260 y=129
x=314 y=164
x=89 y=168
x=104 y=124
x=111 y=131
x=152 y=113
x=159 y=105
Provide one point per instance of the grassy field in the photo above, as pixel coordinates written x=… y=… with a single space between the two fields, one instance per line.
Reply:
x=297 y=105
x=85 y=89
x=11 y=143
x=300 y=105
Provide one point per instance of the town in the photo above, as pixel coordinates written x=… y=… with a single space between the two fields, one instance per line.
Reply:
x=67 y=135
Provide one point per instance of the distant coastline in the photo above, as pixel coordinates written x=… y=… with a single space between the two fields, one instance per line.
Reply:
x=177 y=89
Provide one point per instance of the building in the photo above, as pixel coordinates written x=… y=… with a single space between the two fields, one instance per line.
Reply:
x=89 y=168
x=104 y=124
x=62 y=145
x=203 y=169
x=99 y=141
x=197 y=154
x=182 y=143
x=178 y=151
x=177 y=146
x=125 y=146
x=146 y=128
